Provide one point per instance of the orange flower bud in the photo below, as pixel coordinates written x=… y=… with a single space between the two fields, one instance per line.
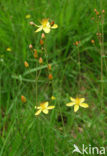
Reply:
x=50 y=77
x=30 y=46
x=92 y=41
x=76 y=43
x=41 y=42
x=49 y=66
x=52 y=23
x=103 y=11
x=97 y=13
x=26 y=64
x=23 y=99
x=43 y=36
x=35 y=53
x=40 y=60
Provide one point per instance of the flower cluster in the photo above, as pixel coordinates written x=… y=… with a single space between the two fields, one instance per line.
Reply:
x=44 y=107
x=74 y=102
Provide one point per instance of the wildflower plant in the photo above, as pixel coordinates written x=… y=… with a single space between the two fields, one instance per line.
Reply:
x=45 y=27
x=53 y=77
x=41 y=57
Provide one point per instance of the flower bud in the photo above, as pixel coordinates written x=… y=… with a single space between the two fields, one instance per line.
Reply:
x=26 y=64
x=41 y=42
x=30 y=46
x=97 y=13
x=92 y=41
x=95 y=10
x=35 y=53
x=23 y=99
x=52 y=23
x=76 y=43
x=103 y=11
x=49 y=66
x=40 y=60
x=43 y=36
x=50 y=77
x=31 y=23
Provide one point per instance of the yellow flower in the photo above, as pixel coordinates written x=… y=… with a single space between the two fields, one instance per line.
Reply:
x=9 y=49
x=76 y=103
x=43 y=108
x=53 y=97
x=28 y=16
x=46 y=26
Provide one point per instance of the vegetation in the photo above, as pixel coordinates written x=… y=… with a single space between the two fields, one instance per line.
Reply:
x=69 y=61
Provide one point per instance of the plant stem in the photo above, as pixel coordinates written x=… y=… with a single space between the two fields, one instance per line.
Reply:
x=79 y=70
x=102 y=53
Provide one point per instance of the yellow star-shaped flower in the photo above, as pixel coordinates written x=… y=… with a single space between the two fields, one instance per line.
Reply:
x=44 y=108
x=46 y=26
x=28 y=16
x=53 y=97
x=9 y=49
x=76 y=103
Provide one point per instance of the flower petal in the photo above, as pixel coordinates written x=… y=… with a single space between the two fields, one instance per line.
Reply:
x=38 y=112
x=37 y=25
x=72 y=99
x=76 y=107
x=44 y=21
x=70 y=104
x=37 y=107
x=51 y=107
x=54 y=26
x=46 y=29
x=84 y=105
x=46 y=104
x=39 y=29
x=82 y=100
x=45 y=111
x=48 y=25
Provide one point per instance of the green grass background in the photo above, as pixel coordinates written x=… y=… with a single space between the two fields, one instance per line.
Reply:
x=23 y=134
